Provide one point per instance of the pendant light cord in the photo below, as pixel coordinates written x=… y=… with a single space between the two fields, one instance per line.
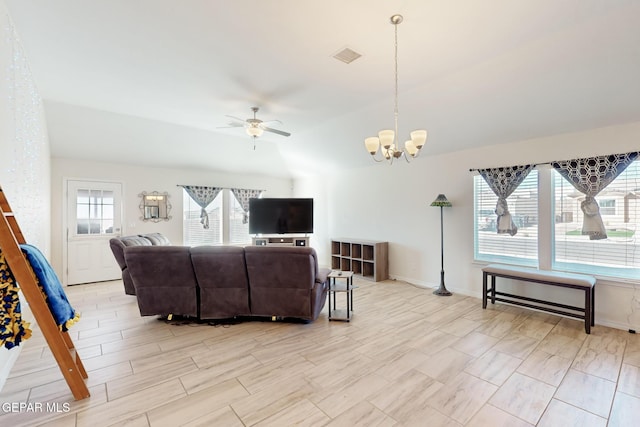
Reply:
x=396 y=92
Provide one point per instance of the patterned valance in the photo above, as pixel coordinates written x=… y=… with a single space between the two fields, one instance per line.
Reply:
x=589 y=176
x=503 y=181
x=203 y=196
x=243 y=196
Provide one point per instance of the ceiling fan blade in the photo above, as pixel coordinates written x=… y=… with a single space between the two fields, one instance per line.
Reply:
x=230 y=125
x=272 y=121
x=236 y=118
x=235 y=125
x=279 y=132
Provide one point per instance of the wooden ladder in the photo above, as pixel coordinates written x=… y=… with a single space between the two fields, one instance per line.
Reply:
x=59 y=341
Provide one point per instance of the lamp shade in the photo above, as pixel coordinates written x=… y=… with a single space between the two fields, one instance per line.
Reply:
x=441 y=201
x=372 y=143
x=386 y=138
x=411 y=148
x=419 y=137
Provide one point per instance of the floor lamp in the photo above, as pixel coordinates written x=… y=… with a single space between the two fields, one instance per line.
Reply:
x=442 y=202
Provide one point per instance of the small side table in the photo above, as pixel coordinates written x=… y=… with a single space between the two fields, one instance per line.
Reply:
x=336 y=287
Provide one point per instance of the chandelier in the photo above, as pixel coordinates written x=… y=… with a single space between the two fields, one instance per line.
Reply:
x=386 y=141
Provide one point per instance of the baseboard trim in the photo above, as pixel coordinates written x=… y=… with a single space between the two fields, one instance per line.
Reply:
x=599 y=320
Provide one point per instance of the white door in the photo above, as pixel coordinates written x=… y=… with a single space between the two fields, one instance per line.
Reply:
x=94 y=216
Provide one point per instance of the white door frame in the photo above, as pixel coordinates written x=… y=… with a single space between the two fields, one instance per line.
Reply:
x=65 y=225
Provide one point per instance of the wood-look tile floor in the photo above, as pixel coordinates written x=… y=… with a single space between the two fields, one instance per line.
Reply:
x=407 y=358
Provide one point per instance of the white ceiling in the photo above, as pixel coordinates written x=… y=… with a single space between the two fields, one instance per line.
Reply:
x=150 y=81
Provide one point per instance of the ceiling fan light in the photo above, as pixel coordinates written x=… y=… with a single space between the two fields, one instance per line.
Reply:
x=372 y=143
x=419 y=137
x=255 y=131
x=386 y=138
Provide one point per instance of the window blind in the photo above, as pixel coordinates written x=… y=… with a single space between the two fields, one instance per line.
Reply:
x=238 y=232
x=521 y=248
x=193 y=232
x=618 y=255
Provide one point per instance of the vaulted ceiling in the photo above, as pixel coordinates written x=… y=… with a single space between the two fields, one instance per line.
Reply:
x=150 y=81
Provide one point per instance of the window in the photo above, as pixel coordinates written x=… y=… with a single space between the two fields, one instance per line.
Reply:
x=523 y=206
x=607 y=207
x=225 y=222
x=618 y=254
x=94 y=211
x=192 y=231
x=238 y=232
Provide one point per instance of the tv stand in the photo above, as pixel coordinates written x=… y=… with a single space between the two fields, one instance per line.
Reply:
x=280 y=241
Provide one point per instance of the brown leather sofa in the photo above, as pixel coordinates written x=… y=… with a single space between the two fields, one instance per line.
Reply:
x=221 y=282
x=119 y=243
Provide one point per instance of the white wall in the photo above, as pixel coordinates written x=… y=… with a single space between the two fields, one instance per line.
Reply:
x=391 y=203
x=136 y=179
x=24 y=151
x=320 y=238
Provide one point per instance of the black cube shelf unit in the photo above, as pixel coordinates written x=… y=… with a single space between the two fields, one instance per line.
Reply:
x=366 y=258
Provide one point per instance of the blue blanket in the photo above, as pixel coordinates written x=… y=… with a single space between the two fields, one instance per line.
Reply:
x=56 y=299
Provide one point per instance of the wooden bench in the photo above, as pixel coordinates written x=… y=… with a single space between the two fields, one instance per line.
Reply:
x=582 y=282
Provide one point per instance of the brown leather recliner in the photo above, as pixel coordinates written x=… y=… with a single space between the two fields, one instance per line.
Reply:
x=117 y=245
x=164 y=279
x=285 y=281
x=222 y=280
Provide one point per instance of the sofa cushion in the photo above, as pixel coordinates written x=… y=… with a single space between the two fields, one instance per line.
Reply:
x=266 y=264
x=118 y=244
x=157 y=239
x=283 y=281
x=164 y=279
x=222 y=277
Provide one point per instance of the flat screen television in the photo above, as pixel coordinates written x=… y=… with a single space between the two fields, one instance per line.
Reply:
x=280 y=216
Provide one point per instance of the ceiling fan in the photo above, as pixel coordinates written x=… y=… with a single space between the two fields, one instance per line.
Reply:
x=254 y=126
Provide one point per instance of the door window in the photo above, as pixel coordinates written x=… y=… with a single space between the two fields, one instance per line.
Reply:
x=94 y=211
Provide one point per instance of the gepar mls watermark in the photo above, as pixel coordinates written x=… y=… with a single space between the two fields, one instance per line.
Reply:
x=26 y=407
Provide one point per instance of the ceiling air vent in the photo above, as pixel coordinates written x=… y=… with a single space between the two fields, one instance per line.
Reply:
x=347 y=55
